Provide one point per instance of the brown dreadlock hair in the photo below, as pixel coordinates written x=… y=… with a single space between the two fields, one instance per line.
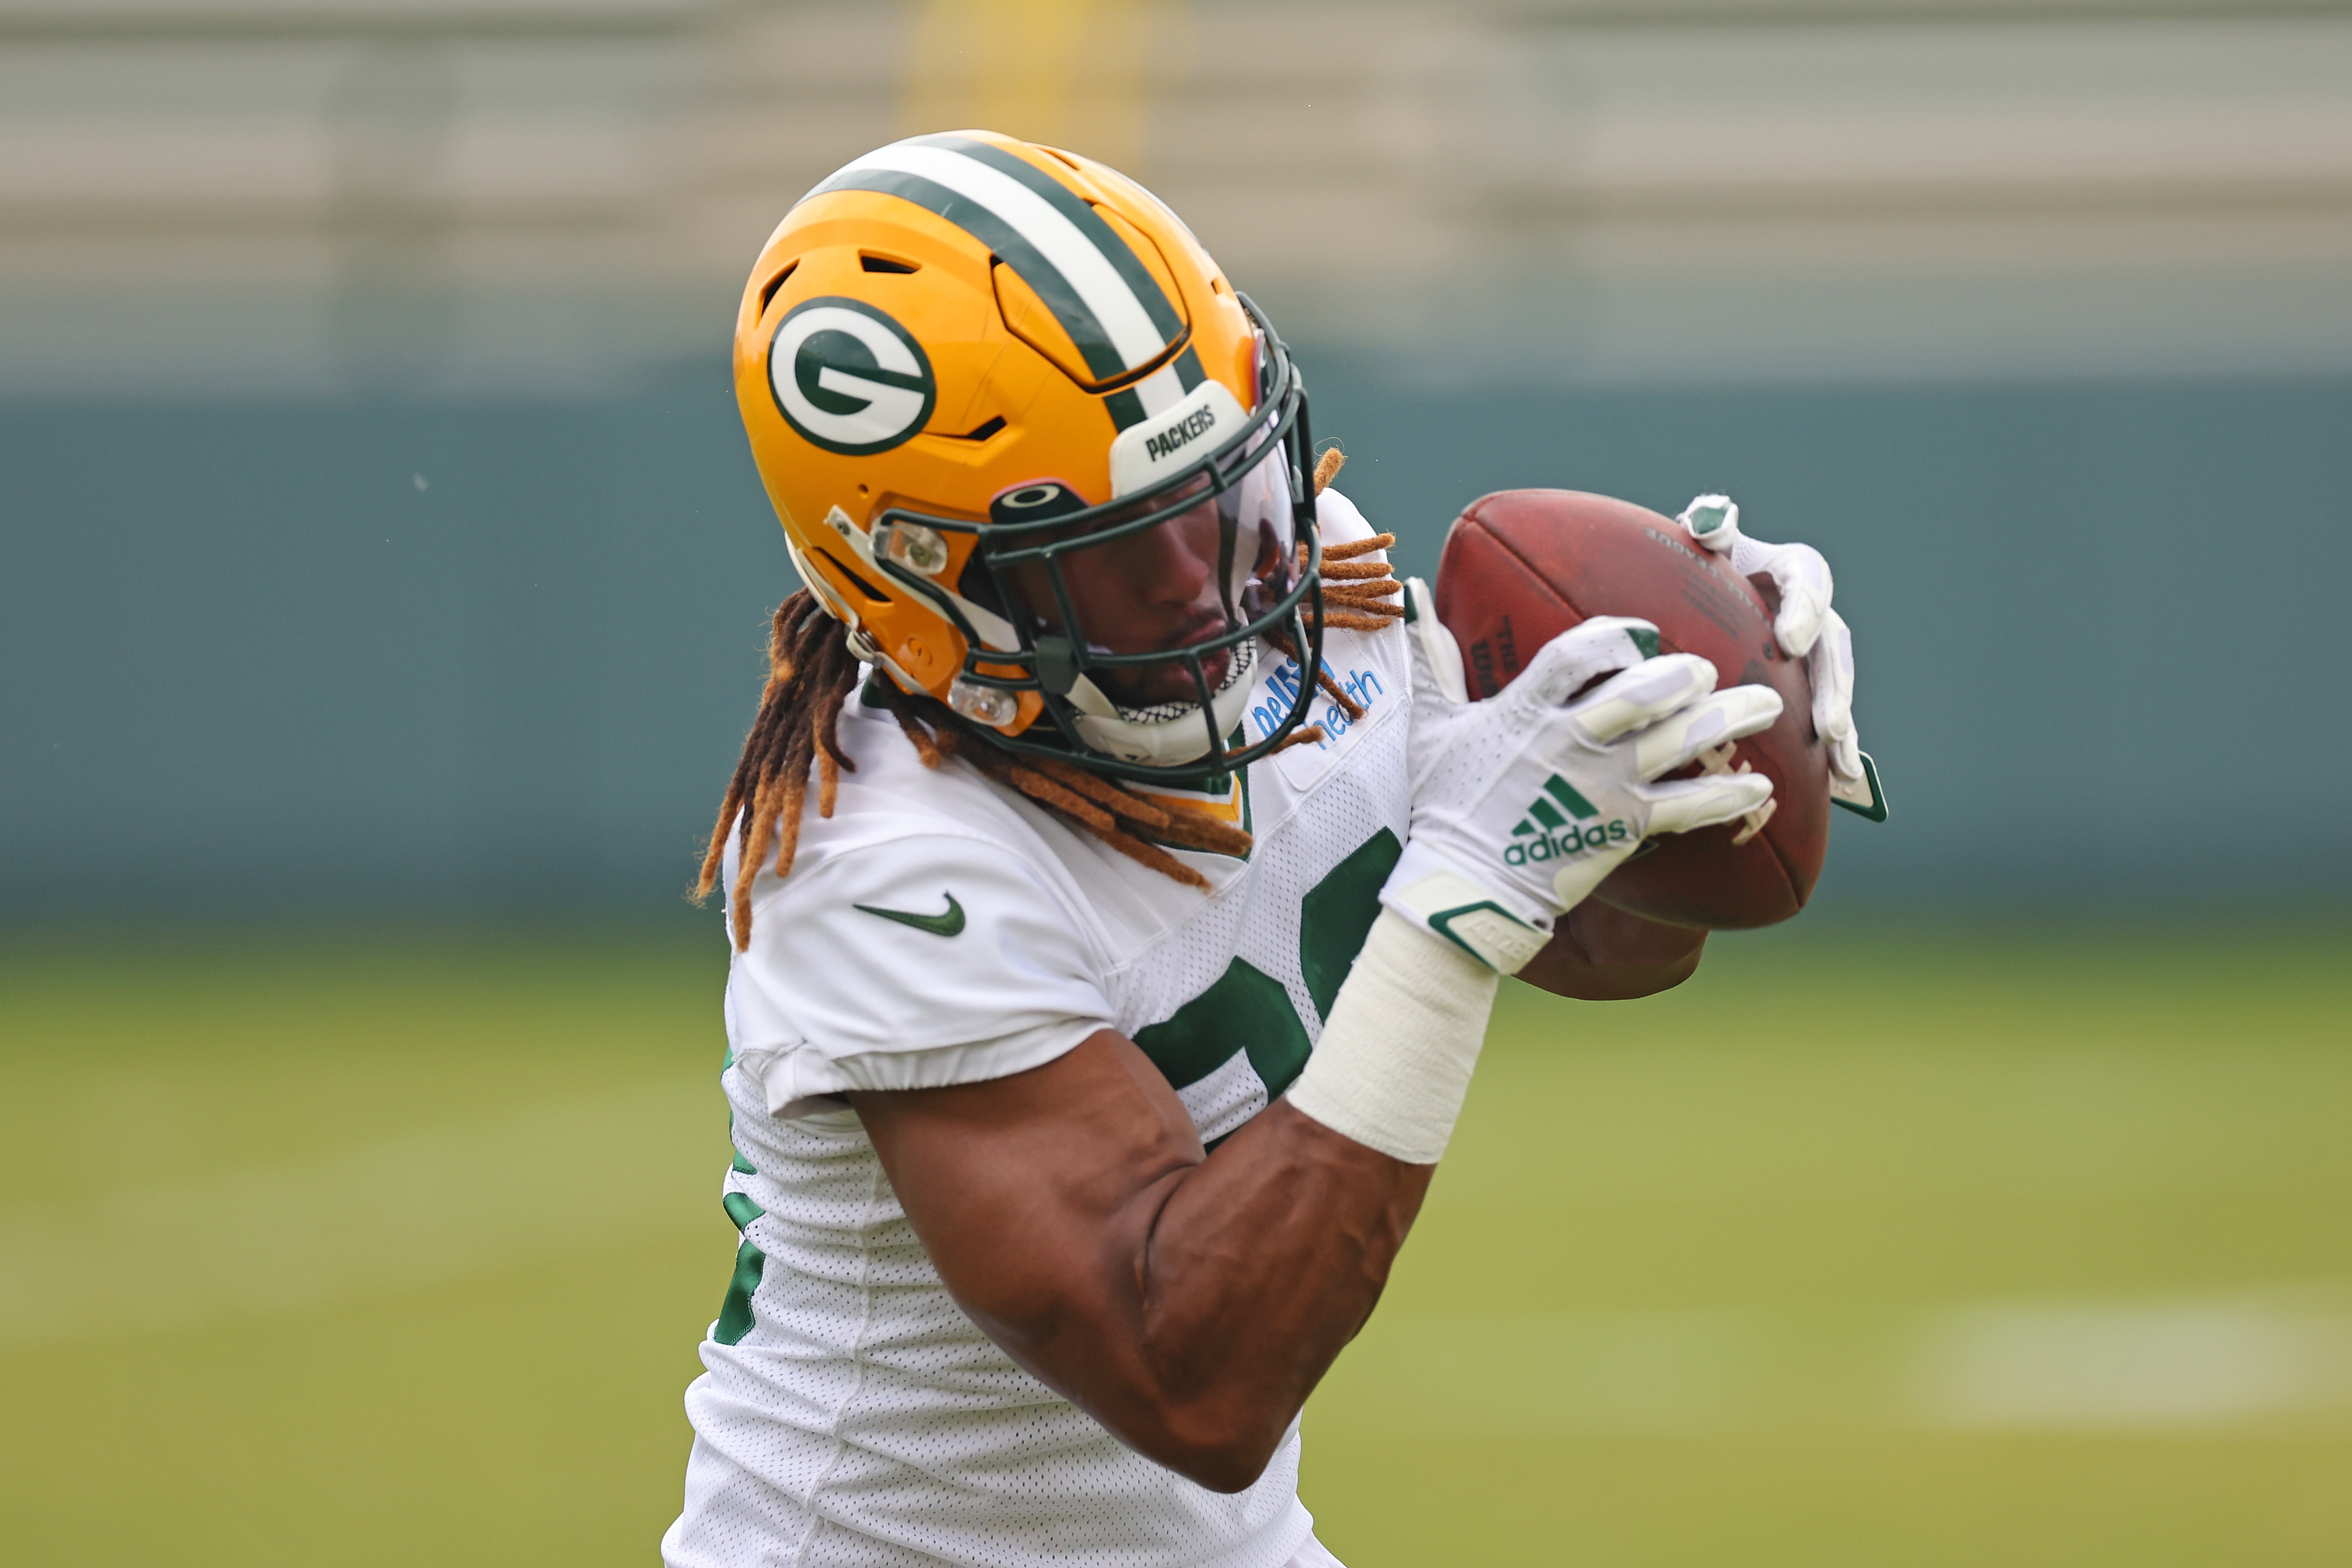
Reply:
x=811 y=673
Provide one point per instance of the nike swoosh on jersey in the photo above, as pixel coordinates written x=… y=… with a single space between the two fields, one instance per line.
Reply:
x=948 y=923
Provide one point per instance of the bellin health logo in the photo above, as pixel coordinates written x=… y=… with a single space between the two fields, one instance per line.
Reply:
x=1545 y=834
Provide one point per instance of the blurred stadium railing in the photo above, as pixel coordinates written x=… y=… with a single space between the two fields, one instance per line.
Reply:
x=314 y=195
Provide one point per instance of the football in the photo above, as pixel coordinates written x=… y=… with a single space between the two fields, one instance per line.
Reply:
x=1522 y=566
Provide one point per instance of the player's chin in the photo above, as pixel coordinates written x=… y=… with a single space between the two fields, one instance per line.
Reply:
x=1151 y=684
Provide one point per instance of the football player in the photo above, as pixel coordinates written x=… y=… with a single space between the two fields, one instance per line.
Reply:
x=1115 y=887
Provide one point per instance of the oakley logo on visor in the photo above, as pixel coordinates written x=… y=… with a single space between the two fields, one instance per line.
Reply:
x=849 y=378
x=1035 y=502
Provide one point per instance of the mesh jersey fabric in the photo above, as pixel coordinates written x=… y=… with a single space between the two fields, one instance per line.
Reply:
x=849 y=1413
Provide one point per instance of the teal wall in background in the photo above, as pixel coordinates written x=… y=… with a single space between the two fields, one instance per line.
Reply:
x=2098 y=626
x=253 y=669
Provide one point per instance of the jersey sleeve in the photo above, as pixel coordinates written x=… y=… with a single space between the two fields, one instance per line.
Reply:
x=1342 y=523
x=927 y=960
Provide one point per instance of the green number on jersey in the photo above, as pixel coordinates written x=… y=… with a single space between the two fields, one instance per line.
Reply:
x=735 y=1311
x=1249 y=1010
x=1337 y=913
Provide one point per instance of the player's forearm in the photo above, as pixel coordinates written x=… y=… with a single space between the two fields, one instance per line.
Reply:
x=1260 y=1268
x=1188 y=1305
x=1264 y=1261
x=1267 y=1259
x=1216 y=1296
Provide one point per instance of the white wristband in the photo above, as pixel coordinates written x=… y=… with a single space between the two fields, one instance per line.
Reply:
x=1393 y=1065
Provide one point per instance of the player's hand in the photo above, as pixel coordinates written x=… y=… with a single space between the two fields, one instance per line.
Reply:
x=1806 y=628
x=1523 y=802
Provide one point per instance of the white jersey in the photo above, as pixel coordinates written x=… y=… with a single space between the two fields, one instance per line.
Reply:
x=941 y=929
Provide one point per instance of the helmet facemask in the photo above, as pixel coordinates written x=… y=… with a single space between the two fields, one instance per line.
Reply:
x=1138 y=620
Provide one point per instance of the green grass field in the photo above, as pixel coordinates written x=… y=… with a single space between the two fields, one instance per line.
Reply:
x=1927 y=1245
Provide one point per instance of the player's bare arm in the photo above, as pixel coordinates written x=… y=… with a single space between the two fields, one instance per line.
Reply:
x=1188 y=1302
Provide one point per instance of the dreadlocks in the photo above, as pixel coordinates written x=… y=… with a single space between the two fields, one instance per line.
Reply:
x=811 y=673
x=1354 y=595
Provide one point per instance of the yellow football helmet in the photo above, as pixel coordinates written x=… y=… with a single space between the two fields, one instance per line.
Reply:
x=1031 y=447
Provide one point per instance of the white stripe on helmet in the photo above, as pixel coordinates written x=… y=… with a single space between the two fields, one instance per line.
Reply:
x=1160 y=391
x=1032 y=216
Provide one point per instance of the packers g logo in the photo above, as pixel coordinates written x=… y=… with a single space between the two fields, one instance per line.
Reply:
x=849 y=378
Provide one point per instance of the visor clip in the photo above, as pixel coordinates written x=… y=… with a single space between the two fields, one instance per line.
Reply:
x=1057 y=664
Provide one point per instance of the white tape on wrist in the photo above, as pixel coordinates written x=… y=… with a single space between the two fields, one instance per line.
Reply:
x=1394 y=1062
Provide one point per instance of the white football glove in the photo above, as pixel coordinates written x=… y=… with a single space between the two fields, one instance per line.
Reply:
x=1805 y=628
x=1523 y=802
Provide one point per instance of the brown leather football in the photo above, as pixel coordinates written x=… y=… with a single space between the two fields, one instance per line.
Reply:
x=1522 y=566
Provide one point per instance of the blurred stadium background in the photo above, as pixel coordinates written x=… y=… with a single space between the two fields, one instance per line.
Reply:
x=383 y=590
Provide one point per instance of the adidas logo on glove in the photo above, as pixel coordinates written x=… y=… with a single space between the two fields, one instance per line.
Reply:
x=1545 y=834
